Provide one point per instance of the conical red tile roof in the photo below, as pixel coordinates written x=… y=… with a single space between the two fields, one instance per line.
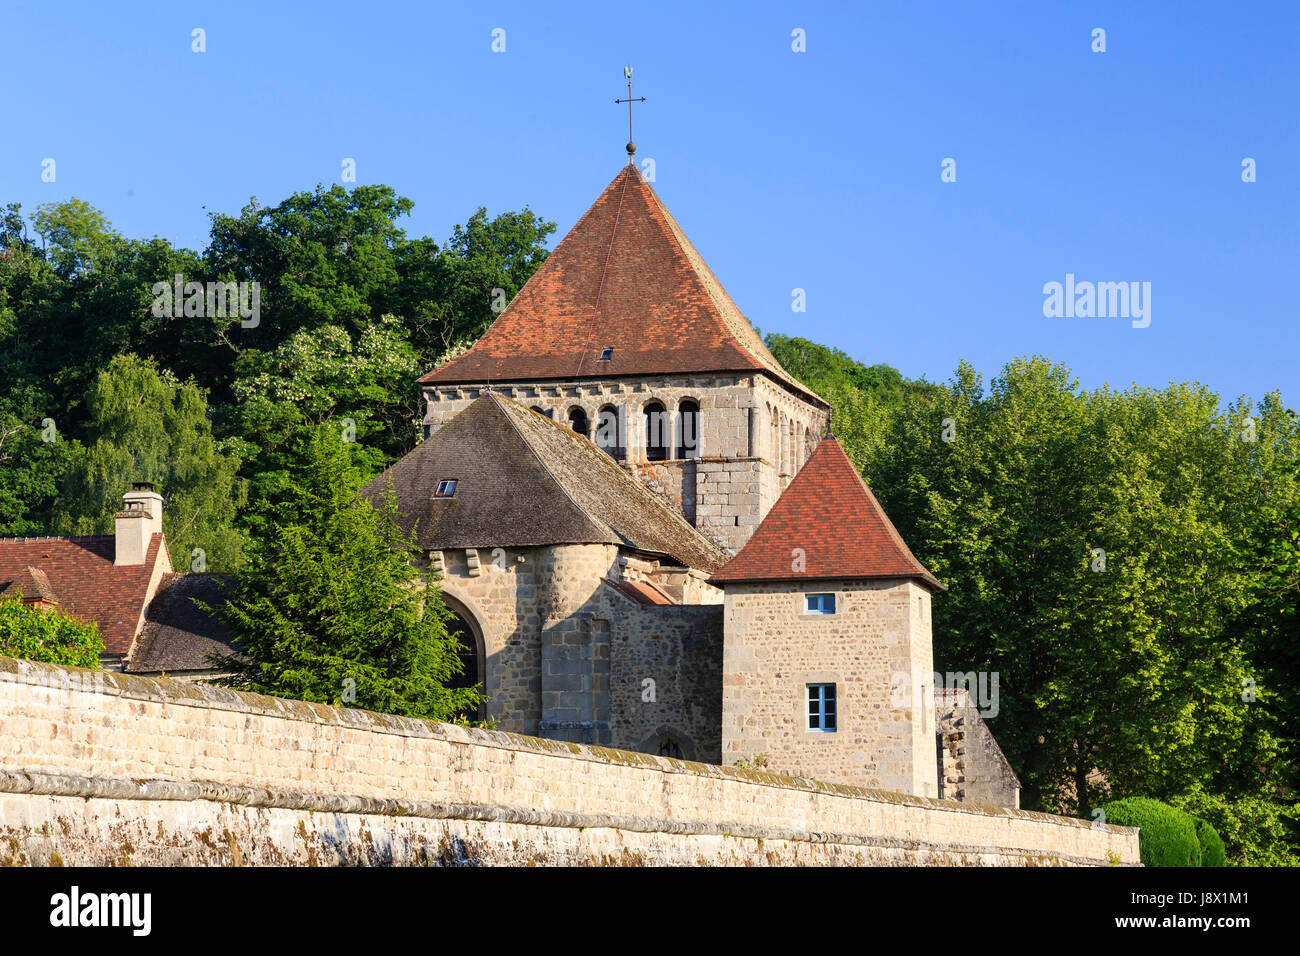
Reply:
x=829 y=525
x=625 y=278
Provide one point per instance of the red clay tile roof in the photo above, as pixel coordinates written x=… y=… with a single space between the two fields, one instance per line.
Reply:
x=829 y=513
x=625 y=277
x=33 y=585
x=87 y=584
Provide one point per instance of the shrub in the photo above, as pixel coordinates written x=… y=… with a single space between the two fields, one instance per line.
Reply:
x=1255 y=830
x=1212 y=852
x=1168 y=836
x=47 y=634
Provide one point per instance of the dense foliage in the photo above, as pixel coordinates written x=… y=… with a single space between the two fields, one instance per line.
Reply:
x=1213 y=852
x=1168 y=836
x=46 y=634
x=331 y=607
x=1128 y=563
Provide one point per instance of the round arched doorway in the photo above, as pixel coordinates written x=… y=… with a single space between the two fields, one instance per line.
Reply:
x=465 y=628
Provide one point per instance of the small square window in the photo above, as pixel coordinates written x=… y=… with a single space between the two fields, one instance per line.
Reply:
x=607 y=353
x=446 y=488
x=819 y=603
x=821 y=707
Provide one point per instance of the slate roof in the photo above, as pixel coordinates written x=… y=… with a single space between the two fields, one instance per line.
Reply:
x=524 y=480
x=178 y=635
x=84 y=581
x=828 y=512
x=624 y=277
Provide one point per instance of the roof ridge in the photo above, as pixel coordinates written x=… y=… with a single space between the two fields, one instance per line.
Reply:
x=632 y=481
x=497 y=401
x=600 y=286
x=837 y=523
x=698 y=269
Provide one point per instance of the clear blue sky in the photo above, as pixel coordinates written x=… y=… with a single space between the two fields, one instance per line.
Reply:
x=817 y=170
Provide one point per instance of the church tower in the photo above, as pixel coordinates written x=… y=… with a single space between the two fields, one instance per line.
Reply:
x=827 y=660
x=625 y=335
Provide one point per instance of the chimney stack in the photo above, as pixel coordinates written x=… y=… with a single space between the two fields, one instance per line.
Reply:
x=136 y=524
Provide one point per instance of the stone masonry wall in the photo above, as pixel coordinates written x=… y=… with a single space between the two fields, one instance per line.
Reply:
x=99 y=768
x=666 y=681
x=754 y=435
x=875 y=649
x=971 y=764
x=523 y=599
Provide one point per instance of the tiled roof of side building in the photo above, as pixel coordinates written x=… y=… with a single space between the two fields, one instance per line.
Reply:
x=86 y=583
x=523 y=480
x=624 y=278
x=178 y=635
x=826 y=525
x=33 y=584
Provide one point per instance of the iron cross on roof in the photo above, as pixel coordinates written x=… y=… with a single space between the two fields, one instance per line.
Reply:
x=631 y=146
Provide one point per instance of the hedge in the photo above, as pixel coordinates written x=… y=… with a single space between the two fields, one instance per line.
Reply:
x=1167 y=837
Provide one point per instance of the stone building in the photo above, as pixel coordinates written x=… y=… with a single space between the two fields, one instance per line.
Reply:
x=625 y=335
x=125 y=583
x=612 y=455
x=643 y=536
x=581 y=598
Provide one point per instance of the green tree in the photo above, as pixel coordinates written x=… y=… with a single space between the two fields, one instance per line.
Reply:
x=331 y=607
x=34 y=459
x=1092 y=544
x=362 y=385
x=146 y=426
x=47 y=634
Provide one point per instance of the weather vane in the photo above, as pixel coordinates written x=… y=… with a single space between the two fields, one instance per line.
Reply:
x=631 y=146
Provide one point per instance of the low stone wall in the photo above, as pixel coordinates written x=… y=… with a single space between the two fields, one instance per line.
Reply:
x=99 y=768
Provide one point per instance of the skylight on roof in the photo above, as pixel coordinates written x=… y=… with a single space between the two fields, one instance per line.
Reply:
x=607 y=353
x=446 y=488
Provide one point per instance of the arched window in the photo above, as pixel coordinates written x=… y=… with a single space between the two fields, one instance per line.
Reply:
x=666 y=742
x=670 y=747
x=578 y=421
x=656 y=432
x=688 y=430
x=609 y=431
x=471 y=658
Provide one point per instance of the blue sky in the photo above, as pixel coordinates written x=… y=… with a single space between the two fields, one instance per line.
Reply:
x=817 y=170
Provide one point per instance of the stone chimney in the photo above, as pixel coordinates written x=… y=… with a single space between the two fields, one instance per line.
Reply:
x=136 y=524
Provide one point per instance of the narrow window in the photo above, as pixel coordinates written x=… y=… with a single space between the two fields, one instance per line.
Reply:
x=609 y=434
x=819 y=603
x=446 y=488
x=688 y=430
x=656 y=432
x=578 y=421
x=821 y=707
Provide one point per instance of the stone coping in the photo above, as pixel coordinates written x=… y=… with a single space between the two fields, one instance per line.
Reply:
x=182 y=693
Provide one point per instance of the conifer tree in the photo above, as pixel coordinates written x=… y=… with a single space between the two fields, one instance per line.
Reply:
x=331 y=607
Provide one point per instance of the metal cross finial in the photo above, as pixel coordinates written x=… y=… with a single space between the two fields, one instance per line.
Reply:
x=631 y=146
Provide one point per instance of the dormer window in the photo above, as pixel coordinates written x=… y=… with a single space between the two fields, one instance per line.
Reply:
x=607 y=353
x=446 y=488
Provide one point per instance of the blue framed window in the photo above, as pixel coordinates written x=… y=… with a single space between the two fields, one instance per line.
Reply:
x=821 y=707
x=819 y=603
